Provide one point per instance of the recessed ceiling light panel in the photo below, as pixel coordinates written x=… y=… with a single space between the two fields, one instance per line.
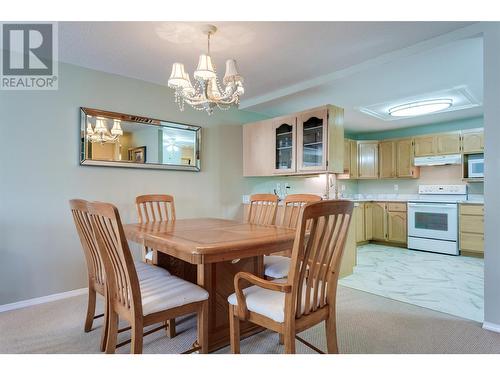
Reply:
x=419 y=108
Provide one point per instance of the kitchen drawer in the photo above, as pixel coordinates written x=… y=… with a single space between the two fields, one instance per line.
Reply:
x=472 y=209
x=472 y=224
x=396 y=207
x=472 y=242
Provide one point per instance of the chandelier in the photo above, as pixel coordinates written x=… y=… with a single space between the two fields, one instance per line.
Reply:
x=207 y=93
x=101 y=134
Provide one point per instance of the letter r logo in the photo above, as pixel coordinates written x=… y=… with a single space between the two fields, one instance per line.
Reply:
x=27 y=49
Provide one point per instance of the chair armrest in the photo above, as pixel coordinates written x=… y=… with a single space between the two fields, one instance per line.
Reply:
x=255 y=280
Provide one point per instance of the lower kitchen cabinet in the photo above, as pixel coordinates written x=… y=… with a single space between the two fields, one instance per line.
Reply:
x=359 y=221
x=471 y=224
x=396 y=227
x=379 y=221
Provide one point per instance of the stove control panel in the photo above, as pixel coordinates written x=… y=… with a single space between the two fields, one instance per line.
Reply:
x=443 y=189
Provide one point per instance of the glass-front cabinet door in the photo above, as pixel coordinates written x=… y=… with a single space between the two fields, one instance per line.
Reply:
x=284 y=145
x=312 y=140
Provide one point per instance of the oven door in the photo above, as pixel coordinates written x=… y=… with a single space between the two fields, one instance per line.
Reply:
x=433 y=220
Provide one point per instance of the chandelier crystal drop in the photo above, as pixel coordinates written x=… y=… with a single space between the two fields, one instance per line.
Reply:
x=101 y=134
x=207 y=92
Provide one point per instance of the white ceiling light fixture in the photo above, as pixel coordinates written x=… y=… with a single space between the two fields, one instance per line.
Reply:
x=420 y=108
x=207 y=92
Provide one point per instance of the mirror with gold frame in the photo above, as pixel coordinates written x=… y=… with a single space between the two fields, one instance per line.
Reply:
x=120 y=140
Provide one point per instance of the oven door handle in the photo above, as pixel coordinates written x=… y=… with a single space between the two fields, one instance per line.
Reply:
x=451 y=205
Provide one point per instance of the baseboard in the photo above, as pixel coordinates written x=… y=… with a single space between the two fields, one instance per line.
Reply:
x=491 y=327
x=44 y=299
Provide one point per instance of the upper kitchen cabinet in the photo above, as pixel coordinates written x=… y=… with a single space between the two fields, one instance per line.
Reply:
x=448 y=143
x=258 y=149
x=387 y=159
x=438 y=144
x=368 y=159
x=312 y=131
x=350 y=160
x=405 y=167
x=302 y=143
x=473 y=141
x=284 y=132
x=425 y=146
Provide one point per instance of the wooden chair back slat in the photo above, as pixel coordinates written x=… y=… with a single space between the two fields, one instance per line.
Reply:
x=122 y=281
x=95 y=265
x=293 y=205
x=263 y=209
x=155 y=207
x=316 y=255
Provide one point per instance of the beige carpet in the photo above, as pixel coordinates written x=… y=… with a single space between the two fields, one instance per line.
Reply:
x=366 y=324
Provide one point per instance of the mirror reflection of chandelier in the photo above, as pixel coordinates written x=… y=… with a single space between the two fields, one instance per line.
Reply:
x=207 y=92
x=101 y=134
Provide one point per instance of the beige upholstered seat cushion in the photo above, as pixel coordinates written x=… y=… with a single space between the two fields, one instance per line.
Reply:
x=267 y=302
x=276 y=266
x=145 y=271
x=163 y=292
x=263 y=301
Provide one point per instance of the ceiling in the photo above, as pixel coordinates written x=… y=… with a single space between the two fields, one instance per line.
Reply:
x=276 y=56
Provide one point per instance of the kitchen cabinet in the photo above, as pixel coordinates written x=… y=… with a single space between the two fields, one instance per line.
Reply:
x=404 y=159
x=396 y=226
x=312 y=140
x=448 y=143
x=258 y=149
x=363 y=221
x=387 y=159
x=387 y=222
x=302 y=143
x=359 y=221
x=368 y=221
x=350 y=160
x=284 y=132
x=438 y=144
x=368 y=159
x=473 y=141
x=379 y=221
x=471 y=228
x=425 y=146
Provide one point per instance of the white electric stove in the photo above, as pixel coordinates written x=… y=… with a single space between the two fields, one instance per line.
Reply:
x=433 y=218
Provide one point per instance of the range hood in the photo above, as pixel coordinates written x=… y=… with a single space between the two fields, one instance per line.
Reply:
x=438 y=160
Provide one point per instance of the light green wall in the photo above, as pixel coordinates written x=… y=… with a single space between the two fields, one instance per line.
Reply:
x=39 y=173
x=475 y=122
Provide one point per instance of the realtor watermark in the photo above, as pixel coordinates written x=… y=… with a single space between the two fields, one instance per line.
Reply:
x=29 y=56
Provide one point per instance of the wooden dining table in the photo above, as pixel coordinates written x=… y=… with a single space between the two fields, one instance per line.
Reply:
x=210 y=252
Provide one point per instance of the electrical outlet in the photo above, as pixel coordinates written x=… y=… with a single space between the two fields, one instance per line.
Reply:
x=396 y=187
x=342 y=187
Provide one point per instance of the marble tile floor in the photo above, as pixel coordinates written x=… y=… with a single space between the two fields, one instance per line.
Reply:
x=450 y=284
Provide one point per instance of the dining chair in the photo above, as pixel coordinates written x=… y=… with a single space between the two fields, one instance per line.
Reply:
x=95 y=266
x=152 y=208
x=141 y=302
x=276 y=266
x=263 y=208
x=308 y=296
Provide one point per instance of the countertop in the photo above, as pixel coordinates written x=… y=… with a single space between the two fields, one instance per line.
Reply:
x=471 y=199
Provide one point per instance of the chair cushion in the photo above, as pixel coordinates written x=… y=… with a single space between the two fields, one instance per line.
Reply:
x=276 y=266
x=268 y=302
x=145 y=270
x=263 y=301
x=163 y=292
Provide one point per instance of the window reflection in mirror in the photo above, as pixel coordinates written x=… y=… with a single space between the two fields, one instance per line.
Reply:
x=114 y=139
